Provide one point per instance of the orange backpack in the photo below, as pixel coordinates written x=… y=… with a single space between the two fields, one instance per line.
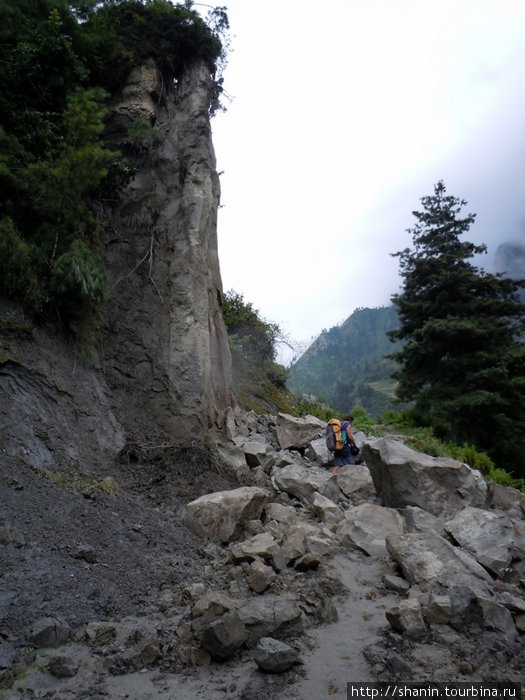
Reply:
x=334 y=437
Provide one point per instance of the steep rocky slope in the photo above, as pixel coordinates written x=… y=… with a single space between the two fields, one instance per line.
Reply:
x=106 y=590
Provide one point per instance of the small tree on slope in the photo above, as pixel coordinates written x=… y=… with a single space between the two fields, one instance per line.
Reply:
x=463 y=359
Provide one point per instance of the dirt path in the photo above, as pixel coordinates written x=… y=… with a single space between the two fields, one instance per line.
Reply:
x=337 y=657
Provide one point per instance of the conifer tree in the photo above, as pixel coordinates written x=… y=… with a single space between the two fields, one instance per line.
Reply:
x=463 y=357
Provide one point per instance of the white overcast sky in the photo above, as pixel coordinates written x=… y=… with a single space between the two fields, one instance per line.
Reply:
x=343 y=114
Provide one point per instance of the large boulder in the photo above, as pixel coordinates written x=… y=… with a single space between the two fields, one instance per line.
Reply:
x=403 y=477
x=506 y=498
x=221 y=516
x=303 y=482
x=296 y=433
x=367 y=526
x=429 y=561
x=493 y=538
x=355 y=481
x=317 y=451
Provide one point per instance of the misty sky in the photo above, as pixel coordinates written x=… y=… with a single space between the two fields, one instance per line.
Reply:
x=342 y=115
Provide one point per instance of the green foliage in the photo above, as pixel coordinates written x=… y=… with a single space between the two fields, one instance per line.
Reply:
x=56 y=58
x=19 y=264
x=500 y=476
x=121 y=35
x=462 y=361
x=348 y=365
x=251 y=334
x=403 y=420
x=142 y=136
x=276 y=373
x=362 y=420
x=78 y=280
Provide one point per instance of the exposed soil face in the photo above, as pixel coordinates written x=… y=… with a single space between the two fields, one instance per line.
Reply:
x=74 y=550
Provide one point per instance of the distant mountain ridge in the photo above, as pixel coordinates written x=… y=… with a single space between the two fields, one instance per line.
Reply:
x=346 y=365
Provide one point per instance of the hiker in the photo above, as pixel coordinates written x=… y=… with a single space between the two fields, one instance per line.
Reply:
x=345 y=456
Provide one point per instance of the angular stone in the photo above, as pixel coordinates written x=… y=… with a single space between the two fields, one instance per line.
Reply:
x=62 y=667
x=428 y=560
x=498 y=618
x=100 y=633
x=270 y=615
x=506 y=498
x=222 y=637
x=255 y=452
x=317 y=451
x=283 y=514
x=303 y=482
x=220 y=516
x=296 y=433
x=356 y=482
x=396 y=583
x=494 y=539
x=366 y=527
x=309 y=560
x=326 y=510
x=211 y=605
x=439 y=485
x=438 y=610
x=419 y=520
x=49 y=631
x=465 y=607
x=318 y=544
x=274 y=656
x=406 y=615
x=262 y=545
x=260 y=576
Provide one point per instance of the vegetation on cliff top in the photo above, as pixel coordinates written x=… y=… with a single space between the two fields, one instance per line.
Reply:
x=58 y=60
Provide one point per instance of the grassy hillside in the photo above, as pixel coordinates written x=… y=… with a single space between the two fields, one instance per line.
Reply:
x=346 y=365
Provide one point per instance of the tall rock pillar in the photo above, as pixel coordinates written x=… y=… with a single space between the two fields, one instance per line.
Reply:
x=166 y=353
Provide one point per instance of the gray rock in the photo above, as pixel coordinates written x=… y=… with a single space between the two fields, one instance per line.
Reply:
x=317 y=451
x=221 y=638
x=438 y=609
x=493 y=538
x=396 y=583
x=49 y=631
x=464 y=607
x=506 y=498
x=220 y=516
x=262 y=545
x=260 y=576
x=297 y=433
x=62 y=667
x=303 y=482
x=270 y=615
x=274 y=656
x=406 y=615
x=326 y=510
x=498 y=619
x=419 y=520
x=428 y=561
x=100 y=633
x=355 y=481
x=255 y=452
x=403 y=477
x=366 y=527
